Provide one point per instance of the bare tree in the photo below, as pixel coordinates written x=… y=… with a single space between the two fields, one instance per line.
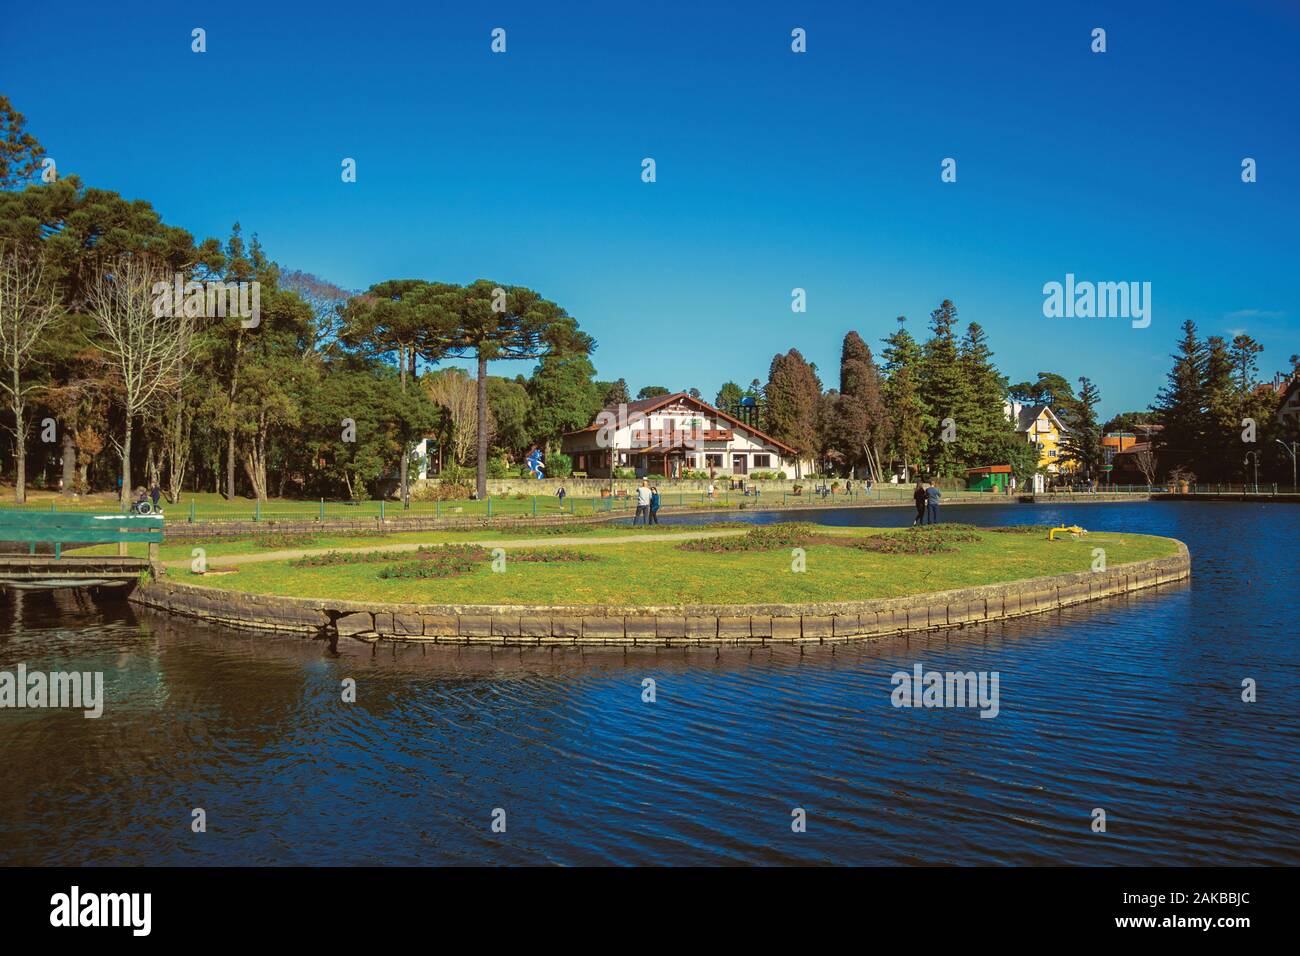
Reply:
x=28 y=303
x=455 y=391
x=144 y=347
x=1145 y=458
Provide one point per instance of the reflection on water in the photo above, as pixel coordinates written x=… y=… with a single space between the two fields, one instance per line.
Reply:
x=1132 y=705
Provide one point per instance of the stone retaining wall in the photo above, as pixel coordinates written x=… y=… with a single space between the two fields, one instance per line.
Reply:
x=671 y=626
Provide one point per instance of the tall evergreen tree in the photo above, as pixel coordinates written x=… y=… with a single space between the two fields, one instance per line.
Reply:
x=1180 y=405
x=1220 y=452
x=860 y=427
x=1081 y=443
x=562 y=396
x=988 y=428
x=906 y=410
x=793 y=395
x=945 y=392
x=728 y=397
x=617 y=394
x=1245 y=365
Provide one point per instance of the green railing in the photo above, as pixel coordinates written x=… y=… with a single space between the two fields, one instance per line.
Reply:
x=210 y=509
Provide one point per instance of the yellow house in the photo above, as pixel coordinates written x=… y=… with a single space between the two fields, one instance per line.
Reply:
x=1041 y=427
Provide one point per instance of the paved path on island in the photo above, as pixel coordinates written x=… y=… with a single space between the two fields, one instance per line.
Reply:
x=534 y=542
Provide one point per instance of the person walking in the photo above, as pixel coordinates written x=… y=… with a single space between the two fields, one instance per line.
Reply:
x=560 y=494
x=154 y=494
x=1011 y=486
x=654 y=504
x=918 y=498
x=642 y=503
x=932 y=497
x=711 y=491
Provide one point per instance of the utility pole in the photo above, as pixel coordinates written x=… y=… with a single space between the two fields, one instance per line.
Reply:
x=1292 y=449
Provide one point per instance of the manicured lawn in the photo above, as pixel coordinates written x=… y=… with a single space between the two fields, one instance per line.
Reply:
x=661 y=573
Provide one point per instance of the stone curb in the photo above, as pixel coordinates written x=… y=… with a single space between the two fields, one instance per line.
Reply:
x=667 y=625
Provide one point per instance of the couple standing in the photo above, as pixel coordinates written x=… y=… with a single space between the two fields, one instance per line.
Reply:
x=647 y=503
x=927 y=503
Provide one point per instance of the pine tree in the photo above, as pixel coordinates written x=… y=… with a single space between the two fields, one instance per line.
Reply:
x=860 y=427
x=987 y=427
x=1219 y=452
x=1244 y=349
x=902 y=398
x=617 y=394
x=728 y=398
x=793 y=395
x=945 y=392
x=1081 y=443
x=1180 y=405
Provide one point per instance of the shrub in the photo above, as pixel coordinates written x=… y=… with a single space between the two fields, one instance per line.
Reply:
x=275 y=540
x=444 y=561
x=768 y=537
x=925 y=539
x=1022 y=529
x=551 y=555
x=443 y=490
x=558 y=465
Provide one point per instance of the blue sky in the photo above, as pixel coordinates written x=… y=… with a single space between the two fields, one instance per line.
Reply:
x=775 y=170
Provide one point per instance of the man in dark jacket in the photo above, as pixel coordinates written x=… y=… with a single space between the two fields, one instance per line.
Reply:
x=932 y=504
x=918 y=498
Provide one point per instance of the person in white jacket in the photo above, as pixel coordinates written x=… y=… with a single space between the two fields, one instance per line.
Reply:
x=642 y=503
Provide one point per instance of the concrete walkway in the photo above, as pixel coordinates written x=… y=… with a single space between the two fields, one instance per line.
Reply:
x=533 y=542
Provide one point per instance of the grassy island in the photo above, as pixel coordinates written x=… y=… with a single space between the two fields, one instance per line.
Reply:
x=664 y=566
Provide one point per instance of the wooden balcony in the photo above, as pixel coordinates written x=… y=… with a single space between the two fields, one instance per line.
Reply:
x=674 y=439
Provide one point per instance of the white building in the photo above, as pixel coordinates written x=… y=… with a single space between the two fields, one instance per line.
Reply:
x=675 y=433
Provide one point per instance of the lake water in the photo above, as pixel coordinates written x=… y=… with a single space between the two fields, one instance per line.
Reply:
x=1131 y=705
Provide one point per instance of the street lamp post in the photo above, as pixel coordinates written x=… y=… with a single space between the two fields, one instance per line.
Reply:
x=1247 y=463
x=1292 y=449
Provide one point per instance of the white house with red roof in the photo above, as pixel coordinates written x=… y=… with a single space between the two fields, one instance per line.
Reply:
x=671 y=434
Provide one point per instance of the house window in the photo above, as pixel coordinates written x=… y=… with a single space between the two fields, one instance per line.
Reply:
x=762 y=461
x=713 y=461
x=1052 y=453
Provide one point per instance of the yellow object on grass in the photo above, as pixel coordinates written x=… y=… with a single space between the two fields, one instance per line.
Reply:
x=1073 y=529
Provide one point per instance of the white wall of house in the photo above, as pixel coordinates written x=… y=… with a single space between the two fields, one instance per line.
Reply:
x=700 y=453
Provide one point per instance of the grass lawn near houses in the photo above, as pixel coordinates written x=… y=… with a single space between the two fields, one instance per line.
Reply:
x=661 y=573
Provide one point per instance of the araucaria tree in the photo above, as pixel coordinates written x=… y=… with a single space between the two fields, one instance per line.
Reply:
x=497 y=323
x=946 y=393
x=1180 y=406
x=902 y=365
x=1081 y=442
x=28 y=304
x=142 y=348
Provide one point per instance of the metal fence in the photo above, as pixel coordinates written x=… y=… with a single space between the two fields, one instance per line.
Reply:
x=525 y=506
